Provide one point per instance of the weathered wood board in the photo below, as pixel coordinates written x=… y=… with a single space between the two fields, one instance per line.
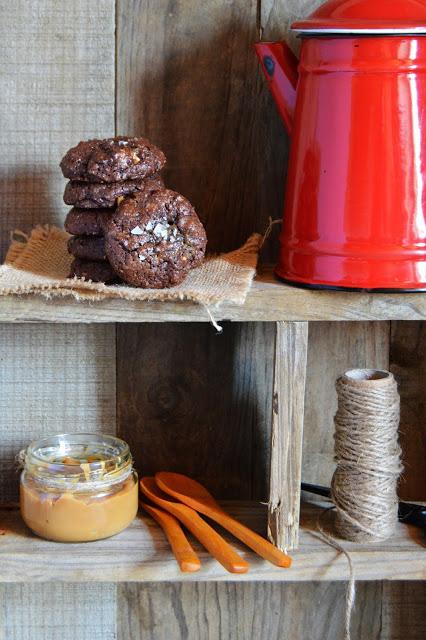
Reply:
x=58 y=611
x=53 y=379
x=142 y=553
x=333 y=349
x=242 y=611
x=288 y=404
x=408 y=363
x=192 y=84
x=56 y=87
x=404 y=611
x=267 y=301
x=198 y=403
x=389 y=611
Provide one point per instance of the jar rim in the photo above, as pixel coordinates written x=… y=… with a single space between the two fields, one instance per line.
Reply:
x=112 y=463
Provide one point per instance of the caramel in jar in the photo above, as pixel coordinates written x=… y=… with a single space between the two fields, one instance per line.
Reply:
x=78 y=487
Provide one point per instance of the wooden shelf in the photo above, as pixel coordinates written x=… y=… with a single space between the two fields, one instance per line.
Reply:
x=141 y=553
x=268 y=300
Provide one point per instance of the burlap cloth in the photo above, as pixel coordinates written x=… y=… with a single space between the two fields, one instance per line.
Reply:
x=40 y=264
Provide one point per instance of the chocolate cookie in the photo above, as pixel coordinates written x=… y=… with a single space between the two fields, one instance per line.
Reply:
x=86 y=222
x=112 y=160
x=87 y=248
x=95 y=271
x=92 y=195
x=154 y=239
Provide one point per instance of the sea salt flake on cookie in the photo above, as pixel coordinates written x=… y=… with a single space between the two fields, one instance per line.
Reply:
x=172 y=243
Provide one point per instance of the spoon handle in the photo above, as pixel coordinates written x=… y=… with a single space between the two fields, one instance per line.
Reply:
x=253 y=540
x=185 y=555
x=212 y=541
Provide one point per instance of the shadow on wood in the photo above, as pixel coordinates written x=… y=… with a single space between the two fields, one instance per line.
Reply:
x=195 y=89
x=28 y=198
x=197 y=403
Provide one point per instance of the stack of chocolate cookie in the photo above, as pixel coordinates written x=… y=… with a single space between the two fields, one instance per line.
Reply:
x=101 y=173
x=124 y=223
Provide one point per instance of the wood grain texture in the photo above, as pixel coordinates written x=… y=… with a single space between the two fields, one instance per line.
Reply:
x=56 y=88
x=244 y=611
x=267 y=301
x=142 y=553
x=65 y=611
x=198 y=403
x=383 y=611
x=404 y=611
x=290 y=354
x=53 y=379
x=408 y=363
x=192 y=84
x=276 y=18
x=333 y=349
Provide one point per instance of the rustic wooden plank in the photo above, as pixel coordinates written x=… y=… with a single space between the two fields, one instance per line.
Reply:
x=56 y=87
x=65 y=611
x=196 y=402
x=141 y=553
x=53 y=379
x=267 y=301
x=239 y=611
x=404 y=611
x=408 y=363
x=192 y=85
x=276 y=18
x=333 y=349
x=291 y=346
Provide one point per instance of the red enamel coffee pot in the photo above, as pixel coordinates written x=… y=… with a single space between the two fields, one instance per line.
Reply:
x=355 y=106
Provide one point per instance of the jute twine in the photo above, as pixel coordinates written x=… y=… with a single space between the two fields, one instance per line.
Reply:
x=368 y=457
x=367 y=454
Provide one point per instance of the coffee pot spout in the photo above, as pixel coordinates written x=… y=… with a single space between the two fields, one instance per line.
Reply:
x=279 y=65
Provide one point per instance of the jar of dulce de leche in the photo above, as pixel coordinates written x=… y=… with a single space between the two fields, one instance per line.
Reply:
x=78 y=487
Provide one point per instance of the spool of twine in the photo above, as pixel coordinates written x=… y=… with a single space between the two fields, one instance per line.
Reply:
x=368 y=456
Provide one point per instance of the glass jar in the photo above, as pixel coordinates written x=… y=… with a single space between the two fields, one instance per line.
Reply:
x=78 y=487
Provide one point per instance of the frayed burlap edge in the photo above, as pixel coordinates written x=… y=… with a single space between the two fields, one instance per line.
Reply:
x=39 y=263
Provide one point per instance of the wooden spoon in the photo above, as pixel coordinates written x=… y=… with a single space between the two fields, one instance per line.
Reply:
x=208 y=537
x=196 y=496
x=185 y=555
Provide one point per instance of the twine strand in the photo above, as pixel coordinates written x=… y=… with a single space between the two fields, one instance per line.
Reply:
x=268 y=230
x=350 y=587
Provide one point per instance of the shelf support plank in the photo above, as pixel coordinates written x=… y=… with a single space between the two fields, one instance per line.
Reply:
x=291 y=347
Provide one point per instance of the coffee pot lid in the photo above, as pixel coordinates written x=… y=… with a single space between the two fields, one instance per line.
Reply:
x=366 y=16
